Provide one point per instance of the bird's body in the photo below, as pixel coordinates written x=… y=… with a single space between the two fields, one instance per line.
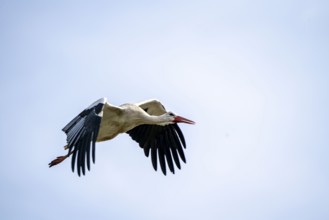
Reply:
x=127 y=116
x=147 y=122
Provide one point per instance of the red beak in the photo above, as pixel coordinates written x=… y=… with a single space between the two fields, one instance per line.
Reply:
x=183 y=120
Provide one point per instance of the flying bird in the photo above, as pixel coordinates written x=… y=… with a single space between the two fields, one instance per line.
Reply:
x=148 y=123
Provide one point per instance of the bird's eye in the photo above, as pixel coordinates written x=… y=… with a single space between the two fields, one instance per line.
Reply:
x=171 y=114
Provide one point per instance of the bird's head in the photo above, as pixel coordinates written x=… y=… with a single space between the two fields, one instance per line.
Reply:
x=178 y=119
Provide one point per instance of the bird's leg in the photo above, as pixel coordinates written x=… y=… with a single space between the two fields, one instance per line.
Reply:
x=59 y=159
x=66 y=147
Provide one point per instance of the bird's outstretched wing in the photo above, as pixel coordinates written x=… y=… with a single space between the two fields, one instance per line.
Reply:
x=82 y=132
x=165 y=142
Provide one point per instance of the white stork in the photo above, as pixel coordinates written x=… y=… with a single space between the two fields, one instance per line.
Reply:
x=148 y=123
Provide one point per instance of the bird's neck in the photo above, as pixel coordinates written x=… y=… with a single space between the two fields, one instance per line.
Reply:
x=159 y=120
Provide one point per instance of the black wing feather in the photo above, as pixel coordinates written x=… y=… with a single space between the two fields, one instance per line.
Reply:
x=162 y=160
x=180 y=134
x=82 y=134
x=173 y=149
x=167 y=151
x=178 y=145
x=163 y=141
x=154 y=157
x=87 y=152
x=146 y=151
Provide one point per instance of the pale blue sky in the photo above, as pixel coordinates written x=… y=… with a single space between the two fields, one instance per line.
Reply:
x=252 y=74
